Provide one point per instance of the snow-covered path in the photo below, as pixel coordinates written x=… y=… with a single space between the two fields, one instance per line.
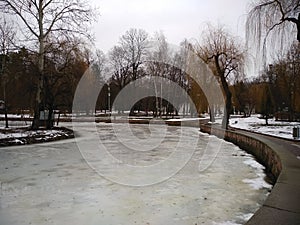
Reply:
x=52 y=183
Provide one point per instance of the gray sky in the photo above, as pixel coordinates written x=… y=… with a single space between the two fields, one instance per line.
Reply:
x=178 y=19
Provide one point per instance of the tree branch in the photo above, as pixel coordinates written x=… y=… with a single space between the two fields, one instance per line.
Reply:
x=47 y=4
x=275 y=25
x=19 y=13
x=281 y=9
x=291 y=19
x=265 y=4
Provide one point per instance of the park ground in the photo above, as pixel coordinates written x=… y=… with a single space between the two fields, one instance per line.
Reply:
x=19 y=133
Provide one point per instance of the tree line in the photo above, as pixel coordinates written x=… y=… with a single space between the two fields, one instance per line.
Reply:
x=66 y=62
x=275 y=91
x=44 y=73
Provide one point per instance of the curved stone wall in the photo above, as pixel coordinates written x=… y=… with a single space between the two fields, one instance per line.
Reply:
x=282 y=206
x=263 y=153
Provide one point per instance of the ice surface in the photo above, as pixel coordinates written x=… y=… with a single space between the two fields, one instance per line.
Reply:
x=51 y=183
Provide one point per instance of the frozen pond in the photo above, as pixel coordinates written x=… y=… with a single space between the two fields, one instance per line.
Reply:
x=52 y=183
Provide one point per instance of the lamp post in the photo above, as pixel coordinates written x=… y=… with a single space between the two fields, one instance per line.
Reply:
x=108 y=95
x=4 y=88
x=5 y=105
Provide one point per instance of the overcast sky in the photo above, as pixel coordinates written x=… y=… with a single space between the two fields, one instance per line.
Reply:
x=177 y=19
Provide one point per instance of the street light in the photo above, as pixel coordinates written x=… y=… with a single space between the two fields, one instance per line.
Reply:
x=108 y=94
x=4 y=104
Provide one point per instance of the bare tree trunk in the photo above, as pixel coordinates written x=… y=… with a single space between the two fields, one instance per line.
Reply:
x=212 y=114
x=228 y=103
x=39 y=95
x=5 y=113
x=4 y=87
x=226 y=92
x=40 y=87
x=5 y=104
x=266 y=119
x=49 y=124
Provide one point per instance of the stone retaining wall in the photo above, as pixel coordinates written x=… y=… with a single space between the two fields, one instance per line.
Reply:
x=282 y=206
x=261 y=151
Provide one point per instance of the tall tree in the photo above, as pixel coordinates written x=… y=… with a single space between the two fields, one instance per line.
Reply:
x=119 y=66
x=7 y=39
x=65 y=62
x=43 y=18
x=158 y=66
x=224 y=55
x=285 y=86
x=293 y=62
x=267 y=104
x=134 y=44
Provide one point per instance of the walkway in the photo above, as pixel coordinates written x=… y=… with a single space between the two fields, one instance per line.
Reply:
x=282 y=207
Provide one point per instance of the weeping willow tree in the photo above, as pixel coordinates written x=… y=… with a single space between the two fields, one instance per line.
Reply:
x=272 y=26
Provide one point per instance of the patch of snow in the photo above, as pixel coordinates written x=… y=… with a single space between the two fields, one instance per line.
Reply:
x=11 y=133
x=246 y=217
x=18 y=141
x=254 y=164
x=241 y=220
x=186 y=119
x=15 y=116
x=256 y=124
x=227 y=223
x=259 y=182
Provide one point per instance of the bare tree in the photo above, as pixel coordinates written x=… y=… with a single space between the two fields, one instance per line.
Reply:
x=134 y=43
x=120 y=67
x=158 y=66
x=42 y=18
x=7 y=36
x=224 y=56
x=61 y=59
x=272 y=22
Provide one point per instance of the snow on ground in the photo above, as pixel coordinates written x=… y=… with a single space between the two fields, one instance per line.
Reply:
x=21 y=133
x=186 y=119
x=244 y=217
x=275 y=128
x=253 y=123
x=19 y=116
x=259 y=182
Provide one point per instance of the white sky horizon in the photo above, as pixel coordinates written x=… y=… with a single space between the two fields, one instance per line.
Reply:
x=177 y=19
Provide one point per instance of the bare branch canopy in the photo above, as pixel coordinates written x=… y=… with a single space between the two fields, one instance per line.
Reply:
x=43 y=18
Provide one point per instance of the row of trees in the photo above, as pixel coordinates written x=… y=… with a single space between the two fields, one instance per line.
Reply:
x=48 y=21
x=46 y=72
x=66 y=61
x=133 y=58
x=64 y=67
x=276 y=91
